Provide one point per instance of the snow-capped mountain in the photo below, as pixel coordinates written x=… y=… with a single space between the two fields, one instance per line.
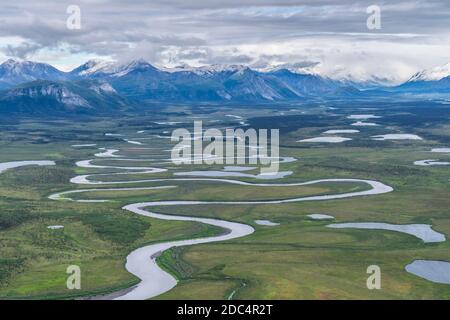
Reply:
x=220 y=68
x=245 y=84
x=179 y=68
x=51 y=98
x=104 y=86
x=94 y=68
x=216 y=83
x=432 y=81
x=135 y=66
x=373 y=82
x=298 y=68
x=100 y=68
x=14 y=72
x=434 y=74
x=206 y=70
x=140 y=81
x=304 y=85
x=344 y=80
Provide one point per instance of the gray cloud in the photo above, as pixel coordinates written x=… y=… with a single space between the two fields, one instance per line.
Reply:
x=327 y=32
x=22 y=51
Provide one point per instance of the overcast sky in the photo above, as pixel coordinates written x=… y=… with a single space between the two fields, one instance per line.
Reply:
x=329 y=37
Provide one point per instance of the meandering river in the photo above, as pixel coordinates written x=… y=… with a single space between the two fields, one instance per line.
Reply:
x=142 y=262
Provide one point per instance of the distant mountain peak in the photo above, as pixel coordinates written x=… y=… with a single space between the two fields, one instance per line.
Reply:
x=13 y=72
x=207 y=69
x=93 y=67
x=297 y=68
x=97 y=68
x=138 y=79
x=46 y=97
x=184 y=67
x=434 y=74
x=220 y=68
x=135 y=65
x=13 y=64
x=140 y=61
x=10 y=62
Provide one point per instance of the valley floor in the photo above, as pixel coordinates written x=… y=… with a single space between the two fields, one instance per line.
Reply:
x=298 y=258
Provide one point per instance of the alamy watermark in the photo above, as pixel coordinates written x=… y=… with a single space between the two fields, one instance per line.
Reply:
x=74 y=279
x=374 y=280
x=231 y=146
x=73 y=22
x=374 y=20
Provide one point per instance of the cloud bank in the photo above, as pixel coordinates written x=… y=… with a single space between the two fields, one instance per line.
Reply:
x=329 y=37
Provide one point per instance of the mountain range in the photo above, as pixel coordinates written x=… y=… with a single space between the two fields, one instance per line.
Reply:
x=103 y=86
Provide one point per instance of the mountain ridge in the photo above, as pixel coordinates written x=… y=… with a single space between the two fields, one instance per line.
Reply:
x=87 y=87
x=46 y=97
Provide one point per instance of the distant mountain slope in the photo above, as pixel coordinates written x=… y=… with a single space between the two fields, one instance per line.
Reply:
x=44 y=97
x=139 y=81
x=93 y=69
x=438 y=86
x=434 y=74
x=142 y=81
x=14 y=72
x=436 y=80
x=306 y=84
x=247 y=85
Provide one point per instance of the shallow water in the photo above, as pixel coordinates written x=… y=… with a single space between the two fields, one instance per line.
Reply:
x=169 y=123
x=326 y=139
x=142 y=263
x=55 y=227
x=154 y=280
x=364 y=124
x=441 y=150
x=238 y=168
x=132 y=142
x=267 y=223
x=113 y=134
x=431 y=270
x=211 y=174
x=317 y=216
x=421 y=231
x=363 y=116
x=397 y=136
x=88 y=164
x=234 y=116
x=64 y=195
x=341 y=131
x=108 y=153
x=84 y=145
x=431 y=163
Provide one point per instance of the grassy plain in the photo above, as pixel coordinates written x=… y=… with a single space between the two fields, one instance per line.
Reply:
x=299 y=259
